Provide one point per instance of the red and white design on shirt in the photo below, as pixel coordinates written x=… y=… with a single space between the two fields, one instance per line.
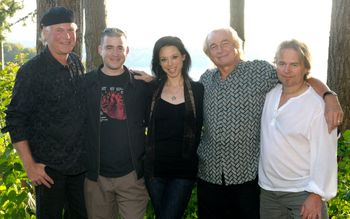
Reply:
x=112 y=104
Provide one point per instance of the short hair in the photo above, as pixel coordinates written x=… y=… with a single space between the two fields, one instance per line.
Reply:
x=111 y=32
x=237 y=41
x=301 y=48
x=170 y=41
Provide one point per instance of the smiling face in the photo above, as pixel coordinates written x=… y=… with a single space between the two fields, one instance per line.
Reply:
x=60 y=38
x=290 y=68
x=171 y=61
x=221 y=49
x=113 y=51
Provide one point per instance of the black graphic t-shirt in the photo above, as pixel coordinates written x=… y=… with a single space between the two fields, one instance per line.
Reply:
x=115 y=154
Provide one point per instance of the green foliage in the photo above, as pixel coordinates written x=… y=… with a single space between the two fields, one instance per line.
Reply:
x=7 y=77
x=149 y=212
x=15 y=190
x=12 y=51
x=190 y=212
x=8 y=8
x=339 y=207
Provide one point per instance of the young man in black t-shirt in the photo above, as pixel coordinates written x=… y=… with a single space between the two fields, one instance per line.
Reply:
x=116 y=105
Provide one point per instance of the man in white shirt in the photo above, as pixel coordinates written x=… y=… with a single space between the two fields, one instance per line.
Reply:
x=298 y=166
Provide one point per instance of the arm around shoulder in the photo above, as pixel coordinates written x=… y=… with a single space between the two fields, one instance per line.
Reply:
x=333 y=110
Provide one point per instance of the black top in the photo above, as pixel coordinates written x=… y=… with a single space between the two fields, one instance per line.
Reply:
x=114 y=154
x=173 y=134
x=135 y=101
x=169 y=131
x=46 y=109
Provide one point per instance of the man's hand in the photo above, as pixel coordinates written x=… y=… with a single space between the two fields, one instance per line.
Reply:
x=36 y=173
x=311 y=208
x=141 y=75
x=333 y=112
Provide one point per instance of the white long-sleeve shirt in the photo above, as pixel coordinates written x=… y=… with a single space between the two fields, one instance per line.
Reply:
x=297 y=152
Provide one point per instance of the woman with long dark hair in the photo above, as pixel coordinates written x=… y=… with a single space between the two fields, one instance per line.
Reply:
x=175 y=122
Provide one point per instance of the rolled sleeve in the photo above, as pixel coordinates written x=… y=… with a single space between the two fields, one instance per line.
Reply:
x=18 y=111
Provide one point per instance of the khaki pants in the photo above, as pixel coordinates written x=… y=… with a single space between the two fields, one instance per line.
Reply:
x=109 y=197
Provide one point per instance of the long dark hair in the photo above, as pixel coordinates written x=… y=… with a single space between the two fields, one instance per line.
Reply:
x=170 y=41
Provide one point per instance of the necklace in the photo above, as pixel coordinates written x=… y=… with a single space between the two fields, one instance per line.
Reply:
x=174 y=91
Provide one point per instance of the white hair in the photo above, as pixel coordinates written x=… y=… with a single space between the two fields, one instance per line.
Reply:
x=47 y=29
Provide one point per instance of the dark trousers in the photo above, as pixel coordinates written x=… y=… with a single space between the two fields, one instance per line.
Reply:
x=65 y=197
x=228 y=202
x=169 y=196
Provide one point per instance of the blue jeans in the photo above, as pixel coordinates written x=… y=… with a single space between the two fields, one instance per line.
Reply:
x=65 y=197
x=169 y=196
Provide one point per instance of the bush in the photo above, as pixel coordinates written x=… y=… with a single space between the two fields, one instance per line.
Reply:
x=15 y=190
x=339 y=207
x=11 y=51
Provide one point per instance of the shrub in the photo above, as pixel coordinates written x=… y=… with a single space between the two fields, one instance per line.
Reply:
x=339 y=207
x=15 y=190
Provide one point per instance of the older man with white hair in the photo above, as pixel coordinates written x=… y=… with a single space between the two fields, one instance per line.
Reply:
x=45 y=119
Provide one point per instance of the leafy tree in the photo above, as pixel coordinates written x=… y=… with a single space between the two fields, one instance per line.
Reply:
x=339 y=207
x=15 y=190
x=7 y=9
x=12 y=50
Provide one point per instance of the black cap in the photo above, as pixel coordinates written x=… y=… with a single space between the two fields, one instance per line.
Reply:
x=57 y=15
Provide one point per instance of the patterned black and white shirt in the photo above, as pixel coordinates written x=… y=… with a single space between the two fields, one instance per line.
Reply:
x=232 y=112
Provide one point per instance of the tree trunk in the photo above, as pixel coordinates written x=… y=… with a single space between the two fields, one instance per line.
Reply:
x=95 y=20
x=42 y=6
x=338 y=75
x=237 y=17
x=75 y=6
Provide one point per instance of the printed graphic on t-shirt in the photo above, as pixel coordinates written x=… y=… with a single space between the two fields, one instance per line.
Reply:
x=112 y=103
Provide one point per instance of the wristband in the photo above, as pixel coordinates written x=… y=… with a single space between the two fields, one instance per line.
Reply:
x=329 y=92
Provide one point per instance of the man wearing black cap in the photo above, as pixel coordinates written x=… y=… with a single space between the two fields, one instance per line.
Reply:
x=45 y=119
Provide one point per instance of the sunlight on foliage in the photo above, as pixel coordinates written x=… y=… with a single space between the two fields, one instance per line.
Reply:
x=15 y=190
x=339 y=207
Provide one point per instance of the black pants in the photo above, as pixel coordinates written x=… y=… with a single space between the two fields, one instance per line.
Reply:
x=228 y=202
x=65 y=197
